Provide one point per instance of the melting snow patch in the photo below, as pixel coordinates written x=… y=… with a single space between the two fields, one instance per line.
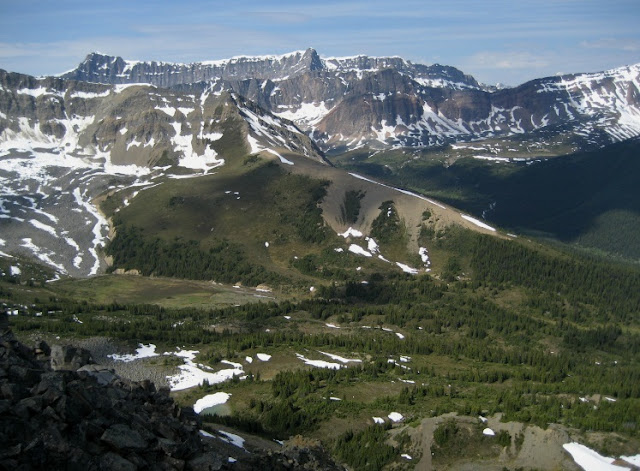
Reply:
x=406 y=457
x=15 y=271
x=210 y=401
x=319 y=363
x=424 y=256
x=488 y=432
x=395 y=417
x=477 y=223
x=192 y=374
x=356 y=249
x=610 y=399
x=333 y=326
x=248 y=359
x=282 y=159
x=232 y=438
x=400 y=336
x=339 y=249
x=360 y=177
x=143 y=351
x=253 y=143
x=341 y=359
x=483 y=419
x=378 y=420
x=263 y=357
x=351 y=232
x=407 y=268
x=589 y=460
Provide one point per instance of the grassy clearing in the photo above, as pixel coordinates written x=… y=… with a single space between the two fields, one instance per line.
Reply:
x=167 y=292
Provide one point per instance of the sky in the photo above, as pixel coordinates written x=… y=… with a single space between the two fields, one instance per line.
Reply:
x=496 y=41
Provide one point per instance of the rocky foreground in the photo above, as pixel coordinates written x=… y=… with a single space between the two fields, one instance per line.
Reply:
x=60 y=411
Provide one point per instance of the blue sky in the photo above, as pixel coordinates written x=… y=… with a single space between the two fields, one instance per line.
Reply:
x=494 y=40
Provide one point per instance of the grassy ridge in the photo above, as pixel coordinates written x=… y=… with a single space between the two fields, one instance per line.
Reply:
x=252 y=224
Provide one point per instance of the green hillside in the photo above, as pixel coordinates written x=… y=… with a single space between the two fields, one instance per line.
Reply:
x=535 y=338
x=589 y=199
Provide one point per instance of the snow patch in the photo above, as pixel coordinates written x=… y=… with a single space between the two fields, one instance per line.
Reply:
x=192 y=374
x=477 y=223
x=395 y=417
x=407 y=268
x=232 y=438
x=341 y=359
x=143 y=351
x=210 y=400
x=319 y=363
x=351 y=232
x=406 y=192
x=356 y=249
x=282 y=159
x=590 y=460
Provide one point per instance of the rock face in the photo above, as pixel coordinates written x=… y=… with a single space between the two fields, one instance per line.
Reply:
x=70 y=420
x=101 y=68
x=388 y=101
x=69 y=358
x=91 y=419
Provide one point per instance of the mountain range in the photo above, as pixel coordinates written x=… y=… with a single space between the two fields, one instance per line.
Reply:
x=383 y=263
x=113 y=124
x=349 y=102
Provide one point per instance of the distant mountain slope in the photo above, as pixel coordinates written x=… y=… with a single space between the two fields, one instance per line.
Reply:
x=588 y=198
x=102 y=68
x=63 y=143
x=346 y=103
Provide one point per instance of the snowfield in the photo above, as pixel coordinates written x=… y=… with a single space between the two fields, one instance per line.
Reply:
x=590 y=460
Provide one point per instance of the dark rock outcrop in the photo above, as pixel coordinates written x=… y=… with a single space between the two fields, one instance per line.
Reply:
x=91 y=419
